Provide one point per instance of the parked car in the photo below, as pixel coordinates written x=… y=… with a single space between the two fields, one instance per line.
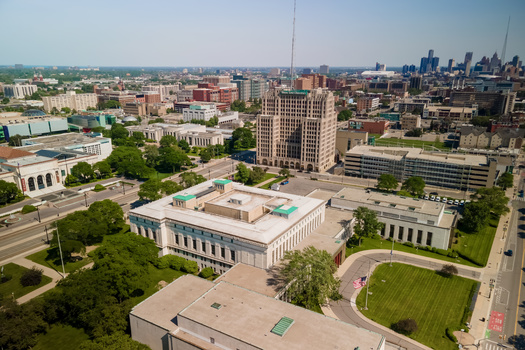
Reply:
x=450 y=201
x=462 y=202
x=456 y=202
x=432 y=198
x=285 y=182
x=438 y=199
x=426 y=197
x=509 y=252
x=445 y=199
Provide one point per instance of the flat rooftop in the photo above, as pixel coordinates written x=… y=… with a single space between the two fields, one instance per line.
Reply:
x=252 y=278
x=411 y=205
x=263 y=230
x=251 y=317
x=58 y=141
x=398 y=153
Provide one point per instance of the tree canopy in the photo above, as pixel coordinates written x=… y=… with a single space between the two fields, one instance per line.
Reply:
x=506 y=180
x=344 y=115
x=128 y=161
x=190 y=179
x=8 y=192
x=310 y=276
x=387 y=182
x=495 y=199
x=475 y=216
x=366 y=223
x=242 y=138
x=243 y=173
x=154 y=189
x=415 y=185
x=83 y=171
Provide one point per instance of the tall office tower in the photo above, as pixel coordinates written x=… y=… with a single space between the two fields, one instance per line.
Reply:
x=429 y=64
x=435 y=64
x=378 y=65
x=412 y=68
x=468 y=63
x=324 y=69
x=296 y=129
x=416 y=82
x=451 y=65
x=405 y=69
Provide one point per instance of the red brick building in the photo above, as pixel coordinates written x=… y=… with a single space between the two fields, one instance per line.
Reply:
x=370 y=126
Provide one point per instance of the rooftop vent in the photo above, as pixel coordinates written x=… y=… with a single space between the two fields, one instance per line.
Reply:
x=216 y=306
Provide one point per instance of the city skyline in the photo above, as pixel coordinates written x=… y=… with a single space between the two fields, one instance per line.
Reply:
x=339 y=34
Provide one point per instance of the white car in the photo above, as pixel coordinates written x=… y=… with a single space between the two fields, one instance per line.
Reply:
x=456 y=202
x=450 y=201
x=445 y=199
x=432 y=198
x=462 y=202
x=426 y=197
x=438 y=199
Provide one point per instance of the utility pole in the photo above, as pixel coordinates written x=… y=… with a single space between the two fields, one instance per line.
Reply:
x=38 y=212
x=367 y=284
x=85 y=198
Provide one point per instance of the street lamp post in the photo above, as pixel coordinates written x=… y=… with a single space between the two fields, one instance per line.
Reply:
x=85 y=198
x=38 y=212
x=61 y=258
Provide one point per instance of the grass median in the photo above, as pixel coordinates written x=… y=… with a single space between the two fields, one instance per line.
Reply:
x=433 y=301
x=12 y=287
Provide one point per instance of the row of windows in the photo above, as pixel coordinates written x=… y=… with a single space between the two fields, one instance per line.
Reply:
x=410 y=235
x=215 y=250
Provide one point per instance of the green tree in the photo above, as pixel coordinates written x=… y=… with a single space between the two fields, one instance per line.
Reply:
x=482 y=121
x=256 y=174
x=387 y=182
x=116 y=341
x=449 y=270
x=190 y=179
x=16 y=140
x=8 y=192
x=238 y=105
x=495 y=199
x=154 y=189
x=83 y=171
x=118 y=131
x=344 y=115
x=173 y=158
x=20 y=325
x=242 y=138
x=156 y=120
x=475 y=216
x=185 y=146
x=110 y=214
x=205 y=155
x=102 y=168
x=415 y=185
x=366 y=223
x=309 y=275
x=284 y=172
x=243 y=173
x=151 y=153
x=66 y=110
x=405 y=326
x=128 y=161
x=138 y=138
x=111 y=104
x=5 y=100
x=168 y=141
x=506 y=180
x=212 y=122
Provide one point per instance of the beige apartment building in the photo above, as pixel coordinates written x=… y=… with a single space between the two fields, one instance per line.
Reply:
x=410 y=121
x=297 y=129
x=71 y=100
x=454 y=113
x=480 y=138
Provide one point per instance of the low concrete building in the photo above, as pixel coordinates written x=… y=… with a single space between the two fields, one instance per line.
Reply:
x=348 y=139
x=452 y=113
x=219 y=223
x=199 y=112
x=193 y=313
x=413 y=220
x=452 y=170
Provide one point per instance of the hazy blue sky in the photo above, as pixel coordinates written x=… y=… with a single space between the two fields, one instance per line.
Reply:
x=255 y=33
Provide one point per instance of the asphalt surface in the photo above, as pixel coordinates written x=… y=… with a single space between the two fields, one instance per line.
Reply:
x=343 y=308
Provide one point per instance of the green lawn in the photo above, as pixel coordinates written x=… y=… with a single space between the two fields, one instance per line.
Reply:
x=155 y=276
x=13 y=286
x=61 y=337
x=269 y=184
x=477 y=246
x=434 y=302
x=375 y=243
x=411 y=143
x=158 y=175
x=266 y=177
x=51 y=258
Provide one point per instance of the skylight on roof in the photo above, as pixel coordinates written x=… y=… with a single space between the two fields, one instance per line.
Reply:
x=282 y=326
x=216 y=306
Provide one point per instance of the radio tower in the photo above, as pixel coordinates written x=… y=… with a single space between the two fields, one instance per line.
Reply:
x=293 y=47
x=504 y=44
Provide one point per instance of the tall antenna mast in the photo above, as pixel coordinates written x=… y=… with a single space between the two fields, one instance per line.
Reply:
x=505 y=44
x=293 y=47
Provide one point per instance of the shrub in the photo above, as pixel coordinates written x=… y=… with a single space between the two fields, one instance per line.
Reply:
x=450 y=335
x=28 y=209
x=162 y=262
x=31 y=277
x=406 y=326
x=206 y=272
x=190 y=267
x=409 y=244
x=176 y=262
x=442 y=252
x=5 y=278
x=99 y=188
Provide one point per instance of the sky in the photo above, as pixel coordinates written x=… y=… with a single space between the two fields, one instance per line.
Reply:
x=247 y=33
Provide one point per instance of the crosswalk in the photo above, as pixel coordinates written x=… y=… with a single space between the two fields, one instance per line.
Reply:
x=494 y=346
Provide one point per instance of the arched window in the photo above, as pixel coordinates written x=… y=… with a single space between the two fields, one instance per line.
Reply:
x=40 y=182
x=49 y=181
x=31 y=184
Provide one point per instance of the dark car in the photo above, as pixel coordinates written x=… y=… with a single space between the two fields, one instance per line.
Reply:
x=509 y=252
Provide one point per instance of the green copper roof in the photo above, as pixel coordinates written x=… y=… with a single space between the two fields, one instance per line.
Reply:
x=285 y=211
x=282 y=326
x=222 y=182
x=184 y=198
